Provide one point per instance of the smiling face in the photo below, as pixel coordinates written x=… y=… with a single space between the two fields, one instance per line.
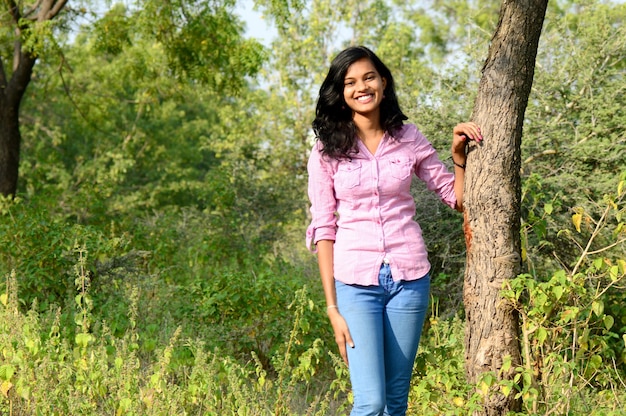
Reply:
x=363 y=88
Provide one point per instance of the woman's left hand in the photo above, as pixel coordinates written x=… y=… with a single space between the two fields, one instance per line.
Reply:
x=463 y=132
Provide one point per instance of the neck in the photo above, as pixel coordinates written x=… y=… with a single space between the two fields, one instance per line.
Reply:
x=368 y=127
x=369 y=130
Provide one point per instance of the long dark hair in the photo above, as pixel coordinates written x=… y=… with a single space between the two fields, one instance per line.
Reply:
x=333 y=124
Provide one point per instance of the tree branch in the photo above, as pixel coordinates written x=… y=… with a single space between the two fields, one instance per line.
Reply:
x=595 y=233
x=537 y=155
x=22 y=72
x=32 y=10
x=50 y=9
x=15 y=11
x=44 y=9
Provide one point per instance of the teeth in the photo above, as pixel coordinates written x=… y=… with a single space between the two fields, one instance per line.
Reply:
x=364 y=98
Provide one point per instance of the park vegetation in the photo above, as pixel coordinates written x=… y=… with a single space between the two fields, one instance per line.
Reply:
x=152 y=260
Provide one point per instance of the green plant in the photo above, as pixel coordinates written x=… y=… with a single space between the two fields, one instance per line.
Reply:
x=40 y=247
x=572 y=349
x=439 y=383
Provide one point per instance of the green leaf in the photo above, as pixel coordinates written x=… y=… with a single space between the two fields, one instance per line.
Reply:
x=547 y=208
x=595 y=362
x=6 y=372
x=506 y=364
x=83 y=340
x=597 y=307
x=124 y=406
x=542 y=335
x=598 y=263
x=608 y=322
x=569 y=314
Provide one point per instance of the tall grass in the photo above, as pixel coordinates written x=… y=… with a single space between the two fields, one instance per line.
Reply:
x=46 y=373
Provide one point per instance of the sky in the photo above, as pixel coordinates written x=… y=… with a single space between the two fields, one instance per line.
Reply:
x=258 y=29
x=255 y=24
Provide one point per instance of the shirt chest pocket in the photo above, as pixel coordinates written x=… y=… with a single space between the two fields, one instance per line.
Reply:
x=348 y=175
x=400 y=168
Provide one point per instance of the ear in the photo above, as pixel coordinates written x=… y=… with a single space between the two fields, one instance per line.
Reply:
x=384 y=82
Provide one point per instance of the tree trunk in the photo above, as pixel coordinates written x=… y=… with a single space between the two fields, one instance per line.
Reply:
x=13 y=84
x=9 y=146
x=492 y=199
x=11 y=93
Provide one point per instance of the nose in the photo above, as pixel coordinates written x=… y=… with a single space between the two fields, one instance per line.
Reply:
x=360 y=85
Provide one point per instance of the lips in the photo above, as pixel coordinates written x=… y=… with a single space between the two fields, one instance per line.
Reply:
x=365 y=98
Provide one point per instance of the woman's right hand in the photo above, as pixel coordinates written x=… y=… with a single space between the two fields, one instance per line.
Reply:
x=342 y=333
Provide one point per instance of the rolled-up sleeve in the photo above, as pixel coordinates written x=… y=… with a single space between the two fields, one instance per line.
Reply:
x=322 y=197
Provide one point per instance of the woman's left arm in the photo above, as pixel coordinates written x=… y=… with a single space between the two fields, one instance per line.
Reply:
x=461 y=133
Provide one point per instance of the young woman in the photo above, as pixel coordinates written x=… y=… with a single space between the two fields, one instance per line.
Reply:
x=372 y=258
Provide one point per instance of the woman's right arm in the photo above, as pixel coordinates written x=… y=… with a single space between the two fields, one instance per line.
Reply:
x=322 y=234
x=340 y=327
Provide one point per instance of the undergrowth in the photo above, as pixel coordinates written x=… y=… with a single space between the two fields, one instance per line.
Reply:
x=97 y=324
x=43 y=372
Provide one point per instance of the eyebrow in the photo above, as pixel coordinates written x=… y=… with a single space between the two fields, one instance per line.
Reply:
x=365 y=74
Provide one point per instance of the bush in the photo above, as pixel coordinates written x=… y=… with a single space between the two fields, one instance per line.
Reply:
x=43 y=371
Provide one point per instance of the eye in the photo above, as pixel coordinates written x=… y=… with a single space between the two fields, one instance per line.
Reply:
x=348 y=83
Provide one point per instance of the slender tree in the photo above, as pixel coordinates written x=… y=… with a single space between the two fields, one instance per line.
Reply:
x=492 y=199
x=26 y=22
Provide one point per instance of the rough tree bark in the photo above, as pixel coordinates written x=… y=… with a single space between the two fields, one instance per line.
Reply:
x=492 y=198
x=13 y=84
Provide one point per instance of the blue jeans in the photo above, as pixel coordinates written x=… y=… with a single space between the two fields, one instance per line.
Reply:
x=385 y=322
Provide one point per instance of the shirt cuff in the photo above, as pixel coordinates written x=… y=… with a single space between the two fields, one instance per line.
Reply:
x=315 y=234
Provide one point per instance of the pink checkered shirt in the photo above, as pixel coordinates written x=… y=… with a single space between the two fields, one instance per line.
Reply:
x=364 y=204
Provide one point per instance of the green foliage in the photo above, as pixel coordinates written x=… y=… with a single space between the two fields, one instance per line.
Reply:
x=41 y=249
x=570 y=339
x=154 y=260
x=129 y=138
x=113 y=32
x=35 y=36
x=250 y=312
x=574 y=138
x=203 y=41
x=43 y=371
x=440 y=386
